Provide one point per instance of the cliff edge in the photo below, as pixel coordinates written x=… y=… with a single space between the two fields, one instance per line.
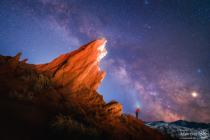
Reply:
x=59 y=100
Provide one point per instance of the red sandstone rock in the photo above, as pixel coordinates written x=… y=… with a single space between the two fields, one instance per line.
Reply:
x=78 y=68
x=79 y=74
x=114 y=108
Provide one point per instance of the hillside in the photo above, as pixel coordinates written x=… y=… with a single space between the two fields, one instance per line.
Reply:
x=59 y=100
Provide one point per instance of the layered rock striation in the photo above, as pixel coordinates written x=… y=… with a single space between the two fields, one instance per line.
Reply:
x=79 y=68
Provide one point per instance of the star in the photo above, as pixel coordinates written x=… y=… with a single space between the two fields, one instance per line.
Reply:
x=199 y=70
x=194 y=94
x=146 y=2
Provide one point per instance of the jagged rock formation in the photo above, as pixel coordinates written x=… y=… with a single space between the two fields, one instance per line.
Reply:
x=78 y=68
x=114 y=108
x=65 y=89
x=79 y=71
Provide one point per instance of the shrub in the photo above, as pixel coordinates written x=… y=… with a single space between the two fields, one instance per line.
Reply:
x=22 y=95
x=42 y=82
x=65 y=124
x=28 y=75
x=15 y=94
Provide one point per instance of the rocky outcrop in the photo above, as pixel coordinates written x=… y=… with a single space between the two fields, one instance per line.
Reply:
x=113 y=108
x=79 y=68
x=66 y=86
x=79 y=72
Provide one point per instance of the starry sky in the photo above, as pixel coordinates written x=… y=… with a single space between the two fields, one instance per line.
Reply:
x=158 y=50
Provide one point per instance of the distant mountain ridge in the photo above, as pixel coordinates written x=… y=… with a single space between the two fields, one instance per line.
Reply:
x=182 y=129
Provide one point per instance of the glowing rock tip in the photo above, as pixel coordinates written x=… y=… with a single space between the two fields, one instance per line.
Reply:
x=102 y=50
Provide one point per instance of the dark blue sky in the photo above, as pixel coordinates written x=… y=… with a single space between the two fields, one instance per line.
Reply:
x=158 y=50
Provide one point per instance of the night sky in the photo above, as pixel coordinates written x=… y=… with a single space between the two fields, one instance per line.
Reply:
x=158 y=50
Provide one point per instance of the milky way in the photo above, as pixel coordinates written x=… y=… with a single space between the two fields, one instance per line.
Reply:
x=158 y=50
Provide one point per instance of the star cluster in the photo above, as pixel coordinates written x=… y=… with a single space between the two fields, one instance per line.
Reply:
x=159 y=50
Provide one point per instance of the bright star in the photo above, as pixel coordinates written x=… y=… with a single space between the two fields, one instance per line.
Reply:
x=194 y=94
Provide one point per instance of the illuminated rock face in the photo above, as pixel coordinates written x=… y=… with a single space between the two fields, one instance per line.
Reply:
x=79 y=68
x=114 y=108
x=79 y=72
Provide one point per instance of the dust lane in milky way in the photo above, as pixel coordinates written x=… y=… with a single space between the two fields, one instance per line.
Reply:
x=158 y=50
